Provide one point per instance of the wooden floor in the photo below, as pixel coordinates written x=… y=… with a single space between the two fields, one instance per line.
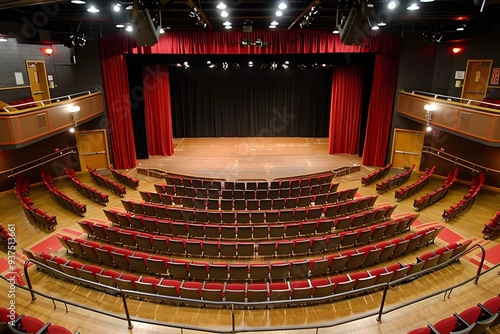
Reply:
x=259 y=158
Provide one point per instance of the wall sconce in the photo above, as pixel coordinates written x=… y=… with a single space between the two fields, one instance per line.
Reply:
x=47 y=51
x=429 y=108
x=74 y=111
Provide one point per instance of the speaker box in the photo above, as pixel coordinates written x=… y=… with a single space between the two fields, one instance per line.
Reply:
x=146 y=28
x=355 y=28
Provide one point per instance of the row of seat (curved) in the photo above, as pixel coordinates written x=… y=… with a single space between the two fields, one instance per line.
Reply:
x=415 y=187
x=242 y=230
x=474 y=320
x=12 y=322
x=250 y=203
x=86 y=190
x=244 y=249
x=247 y=216
x=395 y=180
x=180 y=190
x=204 y=183
x=188 y=291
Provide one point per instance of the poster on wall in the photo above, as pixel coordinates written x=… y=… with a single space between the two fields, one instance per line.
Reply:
x=495 y=76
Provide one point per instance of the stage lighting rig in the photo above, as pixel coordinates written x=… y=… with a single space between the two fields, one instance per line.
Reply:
x=258 y=43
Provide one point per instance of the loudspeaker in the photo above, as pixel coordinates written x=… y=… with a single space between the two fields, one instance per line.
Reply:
x=146 y=28
x=355 y=29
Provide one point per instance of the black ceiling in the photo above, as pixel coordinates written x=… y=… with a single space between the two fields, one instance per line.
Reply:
x=25 y=17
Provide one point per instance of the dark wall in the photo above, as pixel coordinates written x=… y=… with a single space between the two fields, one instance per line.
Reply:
x=479 y=154
x=11 y=158
x=69 y=78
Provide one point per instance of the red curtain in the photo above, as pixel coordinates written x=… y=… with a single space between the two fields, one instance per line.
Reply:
x=345 y=114
x=157 y=110
x=115 y=77
x=216 y=42
x=381 y=103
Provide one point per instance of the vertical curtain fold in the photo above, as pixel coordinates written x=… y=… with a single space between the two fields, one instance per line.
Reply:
x=115 y=77
x=157 y=110
x=345 y=113
x=381 y=107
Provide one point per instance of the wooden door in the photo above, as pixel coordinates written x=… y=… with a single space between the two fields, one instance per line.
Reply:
x=477 y=76
x=93 y=149
x=407 y=148
x=39 y=83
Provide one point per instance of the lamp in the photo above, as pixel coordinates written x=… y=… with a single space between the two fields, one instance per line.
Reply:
x=74 y=111
x=47 y=51
x=429 y=108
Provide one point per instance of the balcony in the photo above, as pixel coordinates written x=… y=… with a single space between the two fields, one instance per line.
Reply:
x=474 y=120
x=26 y=126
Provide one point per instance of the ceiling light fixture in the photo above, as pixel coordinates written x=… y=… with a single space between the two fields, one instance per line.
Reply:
x=229 y=27
x=381 y=24
x=282 y=5
x=93 y=9
x=226 y=23
x=336 y=31
x=413 y=6
x=129 y=28
x=274 y=23
x=3 y=39
x=78 y=2
x=272 y=27
x=224 y=13
x=221 y=5
x=392 y=5
x=117 y=7
x=456 y=50
x=279 y=13
x=120 y=26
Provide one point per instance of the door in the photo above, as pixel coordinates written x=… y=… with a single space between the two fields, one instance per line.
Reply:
x=39 y=83
x=92 y=149
x=407 y=148
x=477 y=76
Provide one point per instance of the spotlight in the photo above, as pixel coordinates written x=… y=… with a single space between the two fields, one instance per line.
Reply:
x=392 y=5
x=117 y=7
x=250 y=63
x=413 y=6
x=224 y=14
x=93 y=9
x=279 y=13
x=221 y=5
x=72 y=130
x=456 y=50
x=336 y=31
x=282 y=5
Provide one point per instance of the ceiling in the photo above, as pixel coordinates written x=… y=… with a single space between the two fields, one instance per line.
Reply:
x=28 y=18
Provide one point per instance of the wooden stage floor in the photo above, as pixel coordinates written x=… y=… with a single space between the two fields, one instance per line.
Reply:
x=258 y=158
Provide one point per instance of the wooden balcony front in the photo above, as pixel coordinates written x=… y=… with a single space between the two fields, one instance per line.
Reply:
x=465 y=119
x=23 y=127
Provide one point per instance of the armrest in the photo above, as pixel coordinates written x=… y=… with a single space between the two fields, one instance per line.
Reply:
x=44 y=329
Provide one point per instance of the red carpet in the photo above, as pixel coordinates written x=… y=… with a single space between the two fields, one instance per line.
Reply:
x=48 y=245
x=4 y=265
x=492 y=257
x=449 y=236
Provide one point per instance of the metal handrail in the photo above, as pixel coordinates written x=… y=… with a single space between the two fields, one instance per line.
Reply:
x=124 y=293
x=438 y=153
x=53 y=156
x=451 y=98
x=53 y=99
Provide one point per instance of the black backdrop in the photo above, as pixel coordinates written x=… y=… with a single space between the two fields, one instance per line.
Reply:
x=250 y=102
x=246 y=102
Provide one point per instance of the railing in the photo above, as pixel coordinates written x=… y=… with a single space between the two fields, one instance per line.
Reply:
x=126 y=293
x=454 y=98
x=456 y=160
x=39 y=162
x=42 y=102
